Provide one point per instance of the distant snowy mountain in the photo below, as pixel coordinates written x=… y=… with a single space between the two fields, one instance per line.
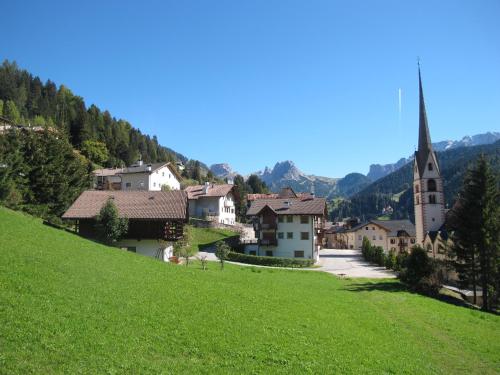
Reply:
x=378 y=171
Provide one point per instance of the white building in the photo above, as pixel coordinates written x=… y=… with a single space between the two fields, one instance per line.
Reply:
x=288 y=227
x=155 y=218
x=152 y=177
x=212 y=201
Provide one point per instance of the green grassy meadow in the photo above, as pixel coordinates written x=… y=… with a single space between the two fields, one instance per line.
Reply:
x=68 y=305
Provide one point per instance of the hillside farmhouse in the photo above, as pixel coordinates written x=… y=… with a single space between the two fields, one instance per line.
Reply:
x=213 y=202
x=156 y=218
x=288 y=227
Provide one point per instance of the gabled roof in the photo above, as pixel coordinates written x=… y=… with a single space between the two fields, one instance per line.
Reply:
x=131 y=204
x=290 y=206
x=212 y=190
x=286 y=192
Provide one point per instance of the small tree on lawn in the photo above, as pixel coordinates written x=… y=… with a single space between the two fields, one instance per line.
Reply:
x=222 y=251
x=183 y=248
x=110 y=227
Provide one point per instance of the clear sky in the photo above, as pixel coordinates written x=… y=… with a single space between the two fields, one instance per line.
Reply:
x=255 y=82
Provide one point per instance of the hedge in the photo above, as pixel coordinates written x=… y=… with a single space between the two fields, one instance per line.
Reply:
x=270 y=261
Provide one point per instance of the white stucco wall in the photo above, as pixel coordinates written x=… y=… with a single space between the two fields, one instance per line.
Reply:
x=163 y=176
x=376 y=235
x=222 y=207
x=287 y=247
x=148 y=248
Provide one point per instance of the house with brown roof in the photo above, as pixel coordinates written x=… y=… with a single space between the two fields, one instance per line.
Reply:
x=107 y=178
x=212 y=201
x=155 y=218
x=289 y=227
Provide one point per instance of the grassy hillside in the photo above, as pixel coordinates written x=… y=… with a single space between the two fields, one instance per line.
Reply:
x=68 y=305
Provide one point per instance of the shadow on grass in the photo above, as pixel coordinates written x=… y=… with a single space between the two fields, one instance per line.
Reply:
x=210 y=247
x=400 y=287
x=385 y=286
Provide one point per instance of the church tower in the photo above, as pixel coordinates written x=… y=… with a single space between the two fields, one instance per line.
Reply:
x=427 y=183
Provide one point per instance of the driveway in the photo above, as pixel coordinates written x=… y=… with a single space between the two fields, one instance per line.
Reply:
x=349 y=263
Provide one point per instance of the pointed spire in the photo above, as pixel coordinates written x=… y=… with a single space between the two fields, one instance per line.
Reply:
x=424 y=138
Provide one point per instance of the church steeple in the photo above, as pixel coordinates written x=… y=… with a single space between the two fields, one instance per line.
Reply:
x=424 y=137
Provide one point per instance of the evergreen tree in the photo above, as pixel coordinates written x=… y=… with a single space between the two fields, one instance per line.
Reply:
x=256 y=185
x=109 y=225
x=11 y=112
x=475 y=219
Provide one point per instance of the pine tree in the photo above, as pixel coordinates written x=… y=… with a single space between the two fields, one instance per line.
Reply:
x=109 y=225
x=476 y=224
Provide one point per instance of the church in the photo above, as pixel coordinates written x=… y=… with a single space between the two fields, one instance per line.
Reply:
x=428 y=194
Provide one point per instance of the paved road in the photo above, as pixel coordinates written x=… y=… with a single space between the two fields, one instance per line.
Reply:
x=350 y=264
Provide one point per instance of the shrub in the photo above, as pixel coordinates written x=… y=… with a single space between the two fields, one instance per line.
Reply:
x=270 y=261
x=390 y=260
x=110 y=227
x=401 y=261
x=420 y=272
x=378 y=255
x=366 y=248
x=222 y=250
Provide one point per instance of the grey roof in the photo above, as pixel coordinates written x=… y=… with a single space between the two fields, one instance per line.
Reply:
x=131 y=204
x=290 y=206
x=394 y=226
x=424 y=137
x=212 y=190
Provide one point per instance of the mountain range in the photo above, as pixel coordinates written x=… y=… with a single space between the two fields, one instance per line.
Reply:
x=378 y=171
x=286 y=173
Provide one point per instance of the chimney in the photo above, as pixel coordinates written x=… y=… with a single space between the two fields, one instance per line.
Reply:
x=205 y=187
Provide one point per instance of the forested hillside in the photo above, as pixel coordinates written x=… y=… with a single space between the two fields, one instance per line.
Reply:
x=396 y=189
x=104 y=139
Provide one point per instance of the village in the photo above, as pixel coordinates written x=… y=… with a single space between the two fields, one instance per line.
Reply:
x=286 y=224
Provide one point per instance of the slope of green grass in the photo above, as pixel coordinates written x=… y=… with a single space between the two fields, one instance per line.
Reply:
x=68 y=305
x=203 y=237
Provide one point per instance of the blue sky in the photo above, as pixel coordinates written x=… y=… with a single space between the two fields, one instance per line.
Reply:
x=256 y=82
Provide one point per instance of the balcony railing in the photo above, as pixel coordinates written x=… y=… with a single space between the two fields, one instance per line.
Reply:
x=269 y=226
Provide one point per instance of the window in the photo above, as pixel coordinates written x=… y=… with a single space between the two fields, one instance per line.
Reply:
x=289 y=235
x=304 y=220
x=431 y=185
x=298 y=253
x=430 y=166
x=418 y=200
x=163 y=174
x=280 y=219
x=366 y=228
x=432 y=199
x=360 y=237
x=374 y=238
x=154 y=184
x=429 y=248
x=417 y=189
x=128 y=184
x=281 y=235
x=373 y=228
x=304 y=235
x=393 y=241
x=412 y=240
x=393 y=248
x=269 y=253
x=252 y=252
x=380 y=238
x=289 y=218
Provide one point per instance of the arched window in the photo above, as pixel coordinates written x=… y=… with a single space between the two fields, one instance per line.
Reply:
x=430 y=166
x=432 y=199
x=431 y=185
x=417 y=189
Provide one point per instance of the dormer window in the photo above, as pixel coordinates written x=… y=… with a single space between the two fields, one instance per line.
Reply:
x=430 y=166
